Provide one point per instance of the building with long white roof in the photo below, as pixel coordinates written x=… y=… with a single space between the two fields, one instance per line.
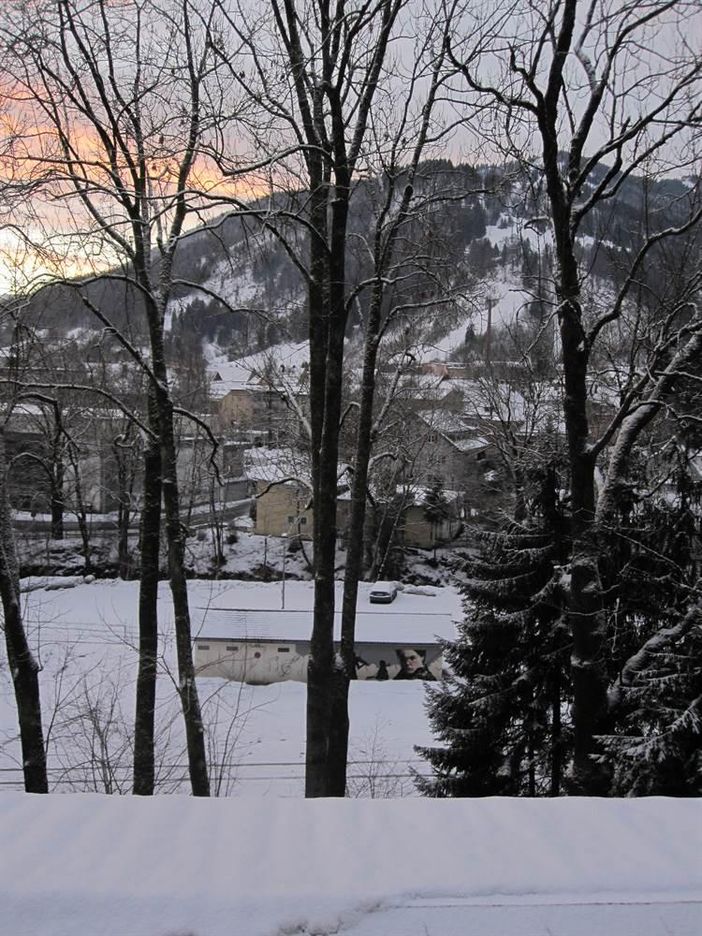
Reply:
x=260 y=632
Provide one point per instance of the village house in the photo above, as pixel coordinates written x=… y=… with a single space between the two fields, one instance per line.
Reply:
x=280 y=483
x=446 y=449
x=103 y=462
x=423 y=528
x=260 y=394
x=42 y=468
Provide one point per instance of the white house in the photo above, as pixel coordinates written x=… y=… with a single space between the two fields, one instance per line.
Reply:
x=260 y=632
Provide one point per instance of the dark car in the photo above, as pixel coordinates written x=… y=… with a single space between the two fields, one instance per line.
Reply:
x=383 y=593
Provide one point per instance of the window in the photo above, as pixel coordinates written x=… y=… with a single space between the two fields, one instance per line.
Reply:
x=203 y=646
x=283 y=649
x=291 y=520
x=303 y=521
x=232 y=649
x=257 y=655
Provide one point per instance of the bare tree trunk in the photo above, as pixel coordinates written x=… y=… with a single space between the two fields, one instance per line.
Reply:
x=531 y=770
x=327 y=326
x=144 y=769
x=383 y=254
x=162 y=416
x=175 y=536
x=556 y=738
x=586 y=609
x=124 y=565
x=217 y=529
x=23 y=666
x=81 y=514
x=124 y=487
x=585 y=606
x=338 y=755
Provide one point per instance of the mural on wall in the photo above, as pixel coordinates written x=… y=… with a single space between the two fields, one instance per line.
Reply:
x=407 y=663
x=261 y=662
x=413 y=664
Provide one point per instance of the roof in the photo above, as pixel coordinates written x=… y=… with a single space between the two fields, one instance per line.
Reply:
x=455 y=428
x=371 y=626
x=274 y=465
x=282 y=465
x=229 y=376
x=251 y=610
x=444 y=421
x=429 y=387
x=420 y=493
x=280 y=368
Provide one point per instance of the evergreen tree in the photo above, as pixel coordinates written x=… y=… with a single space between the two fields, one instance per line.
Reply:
x=655 y=744
x=499 y=712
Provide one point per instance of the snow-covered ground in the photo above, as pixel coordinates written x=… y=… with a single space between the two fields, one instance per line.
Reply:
x=85 y=637
x=173 y=866
x=265 y=862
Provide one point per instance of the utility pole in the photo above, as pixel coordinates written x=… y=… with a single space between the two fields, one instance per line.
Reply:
x=284 y=538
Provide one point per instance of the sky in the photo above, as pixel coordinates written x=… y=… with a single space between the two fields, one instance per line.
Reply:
x=63 y=231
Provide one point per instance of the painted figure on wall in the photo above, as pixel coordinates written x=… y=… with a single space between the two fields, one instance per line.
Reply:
x=413 y=664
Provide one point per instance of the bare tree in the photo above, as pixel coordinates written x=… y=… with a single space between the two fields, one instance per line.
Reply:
x=123 y=97
x=23 y=664
x=316 y=70
x=397 y=270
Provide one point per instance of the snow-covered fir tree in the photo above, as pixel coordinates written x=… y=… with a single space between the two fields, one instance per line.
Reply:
x=655 y=699
x=500 y=715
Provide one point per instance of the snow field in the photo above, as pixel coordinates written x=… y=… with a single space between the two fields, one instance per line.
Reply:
x=85 y=638
x=170 y=866
x=265 y=862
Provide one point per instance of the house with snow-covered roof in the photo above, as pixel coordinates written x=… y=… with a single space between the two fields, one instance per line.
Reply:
x=422 y=524
x=264 y=392
x=260 y=632
x=280 y=481
x=451 y=451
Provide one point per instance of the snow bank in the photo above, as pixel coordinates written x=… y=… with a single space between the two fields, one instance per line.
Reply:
x=118 y=866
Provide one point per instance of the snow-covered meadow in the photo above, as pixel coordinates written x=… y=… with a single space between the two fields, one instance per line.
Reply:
x=85 y=637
